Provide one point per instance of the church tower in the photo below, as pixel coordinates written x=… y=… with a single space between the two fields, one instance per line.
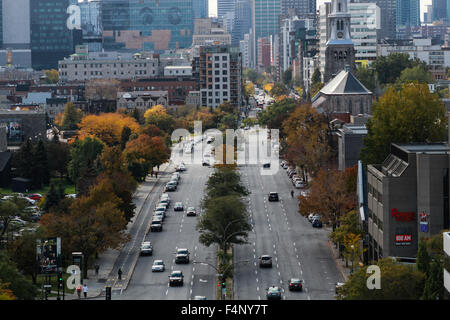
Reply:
x=340 y=51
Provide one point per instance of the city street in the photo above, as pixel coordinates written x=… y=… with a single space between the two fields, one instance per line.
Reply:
x=297 y=249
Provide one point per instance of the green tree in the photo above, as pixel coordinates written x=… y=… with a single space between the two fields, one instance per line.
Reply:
x=125 y=136
x=274 y=115
x=434 y=289
x=51 y=198
x=416 y=74
x=23 y=158
x=398 y=282
x=83 y=152
x=389 y=68
x=72 y=117
x=316 y=77
x=287 y=77
x=412 y=114
x=52 y=76
x=58 y=156
x=224 y=181
x=21 y=287
x=423 y=258
x=40 y=168
x=367 y=77
x=279 y=89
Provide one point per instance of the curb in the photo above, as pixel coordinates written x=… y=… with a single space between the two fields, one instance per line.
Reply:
x=339 y=267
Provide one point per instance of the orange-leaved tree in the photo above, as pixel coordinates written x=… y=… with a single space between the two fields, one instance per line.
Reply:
x=158 y=116
x=107 y=127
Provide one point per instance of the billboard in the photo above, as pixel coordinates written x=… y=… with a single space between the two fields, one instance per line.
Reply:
x=48 y=254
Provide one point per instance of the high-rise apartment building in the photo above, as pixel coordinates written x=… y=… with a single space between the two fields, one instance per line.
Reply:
x=220 y=76
x=388 y=14
x=242 y=20
x=440 y=10
x=91 y=24
x=201 y=8
x=408 y=13
x=225 y=6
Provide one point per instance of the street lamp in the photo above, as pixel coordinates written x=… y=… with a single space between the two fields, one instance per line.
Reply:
x=353 y=256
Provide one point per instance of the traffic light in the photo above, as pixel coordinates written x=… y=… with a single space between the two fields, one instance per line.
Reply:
x=108 y=293
x=224 y=282
x=60 y=279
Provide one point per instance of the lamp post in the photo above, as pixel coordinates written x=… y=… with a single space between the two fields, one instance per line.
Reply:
x=353 y=256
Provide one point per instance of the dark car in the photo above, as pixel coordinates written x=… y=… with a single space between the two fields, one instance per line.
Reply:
x=317 y=223
x=273 y=196
x=273 y=293
x=266 y=165
x=176 y=278
x=171 y=186
x=265 y=261
x=295 y=284
x=178 y=206
x=156 y=226
x=182 y=256
x=146 y=248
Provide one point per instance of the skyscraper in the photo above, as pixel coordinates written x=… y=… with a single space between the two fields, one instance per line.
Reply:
x=388 y=12
x=225 y=6
x=242 y=20
x=441 y=10
x=304 y=8
x=264 y=20
x=408 y=13
x=201 y=8
x=51 y=39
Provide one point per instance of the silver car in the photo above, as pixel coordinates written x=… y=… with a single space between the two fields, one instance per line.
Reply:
x=158 y=266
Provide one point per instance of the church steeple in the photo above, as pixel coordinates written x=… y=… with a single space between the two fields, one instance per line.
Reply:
x=340 y=52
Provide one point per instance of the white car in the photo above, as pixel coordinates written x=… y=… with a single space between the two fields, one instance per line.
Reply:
x=299 y=184
x=313 y=217
x=158 y=266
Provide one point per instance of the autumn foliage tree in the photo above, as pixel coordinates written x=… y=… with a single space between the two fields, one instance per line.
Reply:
x=307 y=140
x=93 y=224
x=107 y=127
x=329 y=196
x=158 y=116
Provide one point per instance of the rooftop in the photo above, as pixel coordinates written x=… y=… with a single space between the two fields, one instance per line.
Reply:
x=345 y=83
x=424 y=147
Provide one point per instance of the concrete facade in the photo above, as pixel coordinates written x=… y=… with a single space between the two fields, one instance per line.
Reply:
x=350 y=142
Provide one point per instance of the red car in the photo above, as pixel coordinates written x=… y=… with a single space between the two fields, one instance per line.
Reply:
x=35 y=196
x=295 y=285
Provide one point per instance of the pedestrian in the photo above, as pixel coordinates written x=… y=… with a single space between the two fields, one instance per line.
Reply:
x=156 y=174
x=85 y=290
x=120 y=274
x=97 y=267
x=151 y=174
x=292 y=193
x=79 y=291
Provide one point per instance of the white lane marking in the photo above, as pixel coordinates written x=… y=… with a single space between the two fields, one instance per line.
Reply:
x=257 y=288
x=167 y=292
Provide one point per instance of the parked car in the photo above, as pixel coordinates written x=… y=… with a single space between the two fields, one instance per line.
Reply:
x=170 y=187
x=273 y=293
x=313 y=216
x=317 y=223
x=176 y=278
x=273 y=196
x=337 y=286
x=146 y=248
x=265 y=261
x=156 y=226
x=295 y=284
x=191 y=212
x=178 y=206
x=35 y=196
x=299 y=184
x=182 y=256
x=158 y=215
x=158 y=266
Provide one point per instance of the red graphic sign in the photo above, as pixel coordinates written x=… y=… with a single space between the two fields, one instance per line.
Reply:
x=403 y=239
x=403 y=216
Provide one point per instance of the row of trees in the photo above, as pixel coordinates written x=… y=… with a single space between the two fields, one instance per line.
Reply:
x=224 y=224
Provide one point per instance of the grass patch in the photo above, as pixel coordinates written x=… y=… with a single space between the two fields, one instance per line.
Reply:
x=69 y=188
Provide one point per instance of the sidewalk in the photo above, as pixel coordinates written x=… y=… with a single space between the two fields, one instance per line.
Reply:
x=106 y=260
x=340 y=262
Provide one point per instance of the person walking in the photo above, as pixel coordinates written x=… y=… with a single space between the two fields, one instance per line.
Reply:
x=97 y=267
x=79 y=288
x=85 y=290
x=120 y=274
x=292 y=193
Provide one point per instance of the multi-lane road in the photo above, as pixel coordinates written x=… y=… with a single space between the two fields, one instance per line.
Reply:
x=298 y=250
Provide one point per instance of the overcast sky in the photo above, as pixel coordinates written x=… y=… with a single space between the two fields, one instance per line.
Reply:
x=213 y=6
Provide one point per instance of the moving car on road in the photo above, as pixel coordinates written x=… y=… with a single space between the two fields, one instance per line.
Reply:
x=176 y=278
x=265 y=261
x=158 y=266
x=146 y=248
x=273 y=293
x=178 y=206
x=273 y=196
x=191 y=212
x=295 y=284
x=182 y=256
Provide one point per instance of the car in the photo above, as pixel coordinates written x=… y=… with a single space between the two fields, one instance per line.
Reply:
x=181 y=167
x=317 y=223
x=176 y=278
x=174 y=181
x=285 y=166
x=292 y=173
x=170 y=187
x=158 y=266
x=265 y=261
x=199 y=298
x=162 y=205
x=178 y=206
x=160 y=208
x=146 y=248
x=159 y=215
x=182 y=256
x=35 y=196
x=273 y=196
x=299 y=184
x=266 y=165
x=156 y=226
x=273 y=293
x=313 y=216
x=191 y=212
x=295 y=284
